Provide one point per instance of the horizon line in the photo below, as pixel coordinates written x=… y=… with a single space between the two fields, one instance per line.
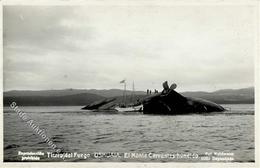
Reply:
x=116 y=89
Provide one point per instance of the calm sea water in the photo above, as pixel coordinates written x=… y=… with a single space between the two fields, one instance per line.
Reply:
x=86 y=132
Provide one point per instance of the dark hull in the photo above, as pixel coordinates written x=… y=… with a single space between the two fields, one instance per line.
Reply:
x=174 y=103
x=98 y=104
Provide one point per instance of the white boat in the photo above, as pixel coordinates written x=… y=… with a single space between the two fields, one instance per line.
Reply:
x=123 y=107
x=130 y=109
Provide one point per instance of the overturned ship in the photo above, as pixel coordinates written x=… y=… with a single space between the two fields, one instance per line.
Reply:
x=170 y=102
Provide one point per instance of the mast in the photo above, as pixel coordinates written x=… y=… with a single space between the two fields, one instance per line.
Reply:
x=133 y=88
x=124 y=94
x=133 y=91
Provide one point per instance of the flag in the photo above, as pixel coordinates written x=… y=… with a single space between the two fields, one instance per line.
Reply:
x=123 y=81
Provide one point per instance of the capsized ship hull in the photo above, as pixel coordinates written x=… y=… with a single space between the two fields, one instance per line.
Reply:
x=167 y=102
x=173 y=103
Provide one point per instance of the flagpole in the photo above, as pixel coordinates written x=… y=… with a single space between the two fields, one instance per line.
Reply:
x=124 y=92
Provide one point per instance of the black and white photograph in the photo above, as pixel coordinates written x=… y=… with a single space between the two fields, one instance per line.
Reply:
x=130 y=82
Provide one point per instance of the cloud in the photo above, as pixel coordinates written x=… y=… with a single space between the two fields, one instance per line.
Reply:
x=198 y=47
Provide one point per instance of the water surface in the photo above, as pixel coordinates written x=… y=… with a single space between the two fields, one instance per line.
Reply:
x=75 y=130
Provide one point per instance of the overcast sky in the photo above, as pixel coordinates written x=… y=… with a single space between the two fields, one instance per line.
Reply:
x=198 y=47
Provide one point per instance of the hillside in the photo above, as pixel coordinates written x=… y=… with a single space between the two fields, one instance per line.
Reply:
x=226 y=96
x=66 y=92
x=70 y=100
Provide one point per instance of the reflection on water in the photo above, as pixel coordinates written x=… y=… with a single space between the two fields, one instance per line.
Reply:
x=75 y=130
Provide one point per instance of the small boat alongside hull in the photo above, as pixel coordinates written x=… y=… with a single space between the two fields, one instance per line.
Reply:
x=130 y=109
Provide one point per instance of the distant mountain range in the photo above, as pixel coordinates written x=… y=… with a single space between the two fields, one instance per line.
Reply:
x=83 y=96
x=226 y=96
x=66 y=92
x=67 y=100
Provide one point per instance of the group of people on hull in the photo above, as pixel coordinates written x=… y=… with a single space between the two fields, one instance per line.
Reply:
x=149 y=92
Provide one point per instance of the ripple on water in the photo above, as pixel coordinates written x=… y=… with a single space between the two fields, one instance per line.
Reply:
x=11 y=146
x=58 y=138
